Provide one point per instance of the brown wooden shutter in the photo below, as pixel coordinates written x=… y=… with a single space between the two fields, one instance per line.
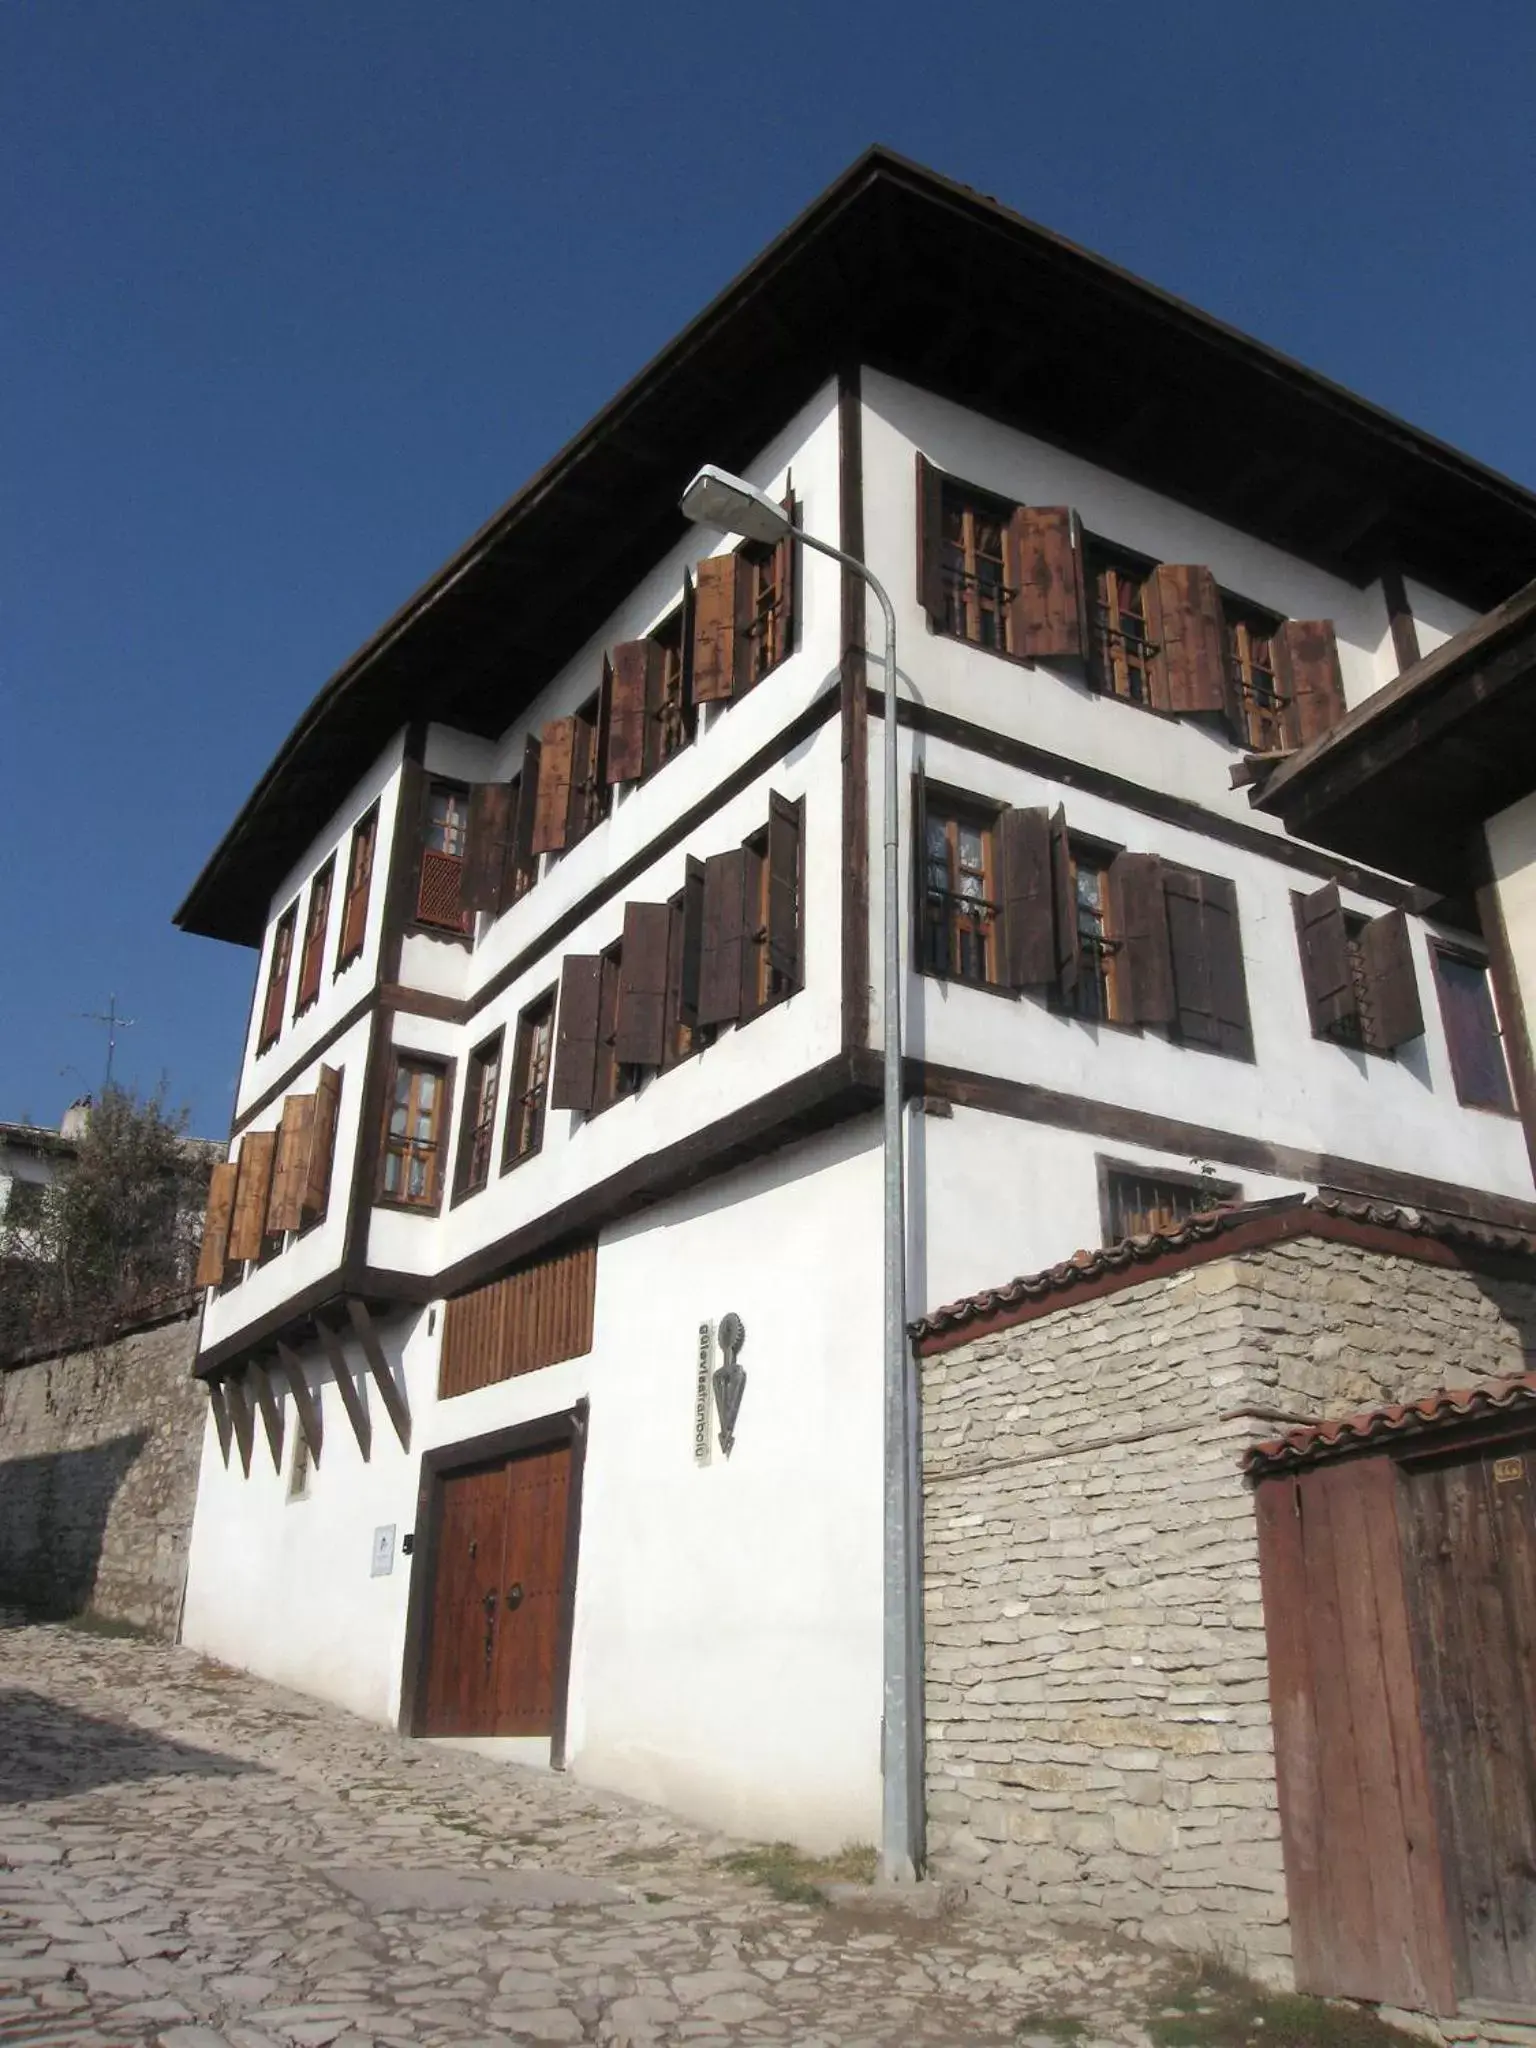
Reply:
x=602 y=735
x=754 y=932
x=1152 y=616
x=1192 y=637
x=1068 y=944
x=1029 y=897
x=284 y=1208
x=1386 y=954
x=1138 y=923
x=686 y=634
x=1306 y=657
x=633 y=687
x=723 y=941
x=1326 y=971
x=923 y=919
x=574 y=1082
x=522 y=860
x=491 y=825
x=784 y=829
x=715 y=604
x=1206 y=944
x=786 y=556
x=211 y=1259
x=930 y=542
x=1048 y=614
x=322 y=1144
x=557 y=757
x=640 y=1033
x=251 y=1190
x=689 y=964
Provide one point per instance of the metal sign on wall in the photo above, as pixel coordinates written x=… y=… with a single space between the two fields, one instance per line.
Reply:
x=703 y=1395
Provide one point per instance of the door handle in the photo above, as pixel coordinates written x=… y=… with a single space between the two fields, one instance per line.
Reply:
x=514 y=1596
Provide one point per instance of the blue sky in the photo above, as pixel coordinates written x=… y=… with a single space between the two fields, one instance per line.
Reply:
x=292 y=297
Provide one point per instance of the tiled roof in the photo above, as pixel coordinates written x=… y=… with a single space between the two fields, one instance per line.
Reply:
x=1200 y=1237
x=1450 y=1405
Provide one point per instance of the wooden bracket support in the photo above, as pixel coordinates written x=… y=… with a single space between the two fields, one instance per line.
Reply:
x=238 y=1395
x=305 y=1406
x=346 y=1386
x=218 y=1401
x=269 y=1401
x=390 y=1392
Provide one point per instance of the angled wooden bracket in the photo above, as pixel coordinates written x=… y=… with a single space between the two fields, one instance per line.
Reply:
x=390 y=1392
x=305 y=1406
x=218 y=1401
x=238 y=1395
x=269 y=1401
x=346 y=1386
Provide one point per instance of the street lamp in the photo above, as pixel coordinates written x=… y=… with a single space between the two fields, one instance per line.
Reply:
x=729 y=504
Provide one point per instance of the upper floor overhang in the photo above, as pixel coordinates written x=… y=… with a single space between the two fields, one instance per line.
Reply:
x=898 y=268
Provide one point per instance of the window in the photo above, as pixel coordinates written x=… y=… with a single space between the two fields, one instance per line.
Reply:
x=354 y=914
x=530 y=1082
x=766 y=568
x=481 y=1087
x=1095 y=994
x=277 y=978
x=1360 y=980
x=445 y=831
x=614 y=1078
x=412 y=1141
x=961 y=904
x=1122 y=649
x=521 y=871
x=1472 y=1031
x=1136 y=1203
x=590 y=791
x=976 y=593
x=311 y=960
x=1259 y=709
x=674 y=718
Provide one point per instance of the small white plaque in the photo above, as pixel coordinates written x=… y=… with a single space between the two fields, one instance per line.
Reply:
x=703 y=1396
x=383 y=1551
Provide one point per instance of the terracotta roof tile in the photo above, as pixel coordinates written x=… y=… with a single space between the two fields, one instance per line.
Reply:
x=1394 y=1419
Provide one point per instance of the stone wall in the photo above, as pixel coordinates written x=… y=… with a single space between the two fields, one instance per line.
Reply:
x=1098 y=1741
x=98 y=1473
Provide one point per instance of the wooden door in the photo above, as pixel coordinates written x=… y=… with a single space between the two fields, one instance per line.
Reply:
x=494 y=1624
x=1471 y=1541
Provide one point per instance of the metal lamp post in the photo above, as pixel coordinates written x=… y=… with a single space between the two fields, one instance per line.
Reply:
x=731 y=505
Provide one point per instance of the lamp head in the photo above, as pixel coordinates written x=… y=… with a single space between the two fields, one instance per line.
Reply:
x=731 y=505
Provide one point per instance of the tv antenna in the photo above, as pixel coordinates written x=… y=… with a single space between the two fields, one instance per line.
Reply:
x=114 y=1024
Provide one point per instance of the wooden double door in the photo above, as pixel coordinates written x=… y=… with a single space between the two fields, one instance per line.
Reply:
x=499 y=1568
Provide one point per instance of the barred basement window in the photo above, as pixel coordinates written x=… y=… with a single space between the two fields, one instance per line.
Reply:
x=481 y=1087
x=976 y=593
x=961 y=904
x=530 y=1082
x=1122 y=649
x=411 y=1166
x=1135 y=1203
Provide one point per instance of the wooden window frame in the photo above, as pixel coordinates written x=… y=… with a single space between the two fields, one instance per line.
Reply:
x=540 y=1011
x=312 y=952
x=763 y=643
x=1112 y=1170
x=614 y=1080
x=275 y=1000
x=677 y=718
x=1103 y=946
x=1111 y=667
x=472 y=1125
x=1441 y=950
x=1353 y=1034
x=443 y=1068
x=962 y=599
x=962 y=806
x=462 y=925
x=591 y=798
x=1252 y=685
x=364 y=842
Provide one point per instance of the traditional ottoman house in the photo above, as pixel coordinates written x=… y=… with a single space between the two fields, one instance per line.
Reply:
x=561 y=1084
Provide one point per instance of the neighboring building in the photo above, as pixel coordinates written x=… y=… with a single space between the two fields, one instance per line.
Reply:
x=32 y=1157
x=565 y=1040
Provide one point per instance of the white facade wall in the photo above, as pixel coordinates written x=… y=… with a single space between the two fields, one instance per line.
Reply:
x=1511 y=837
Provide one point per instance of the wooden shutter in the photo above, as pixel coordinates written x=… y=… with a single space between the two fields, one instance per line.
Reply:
x=322 y=1144
x=786 y=556
x=1326 y=972
x=521 y=856
x=551 y=816
x=1138 y=923
x=1210 y=991
x=1192 y=638
x=1386 y=955
x=316 y=918
x=723 y=939
x=251 y=1189
x=1065 y=895
x=640 y=1032
x=211 y=1259
x=633 y=688
x=716 y=601
x=930 y=542
x=354 y=917
x=285 y=1206
x=1048 y=613
x=602 y=735
x=492 y=823
x=531 y=1318
x=784 y=830
x=1306 y=657
x=690 y=963
x=574 y=1082
x=686 y=651
x=754 y=931
x=1029 y=897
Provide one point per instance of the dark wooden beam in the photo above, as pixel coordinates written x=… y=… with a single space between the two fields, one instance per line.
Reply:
x=390 y=1393
x=346 y=1386
x=218 y=1401
x=271 y=1407
x=241 y=1419
x=1405 y=633
x=305 y=1406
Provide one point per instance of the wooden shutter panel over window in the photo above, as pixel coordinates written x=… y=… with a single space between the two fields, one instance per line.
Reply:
x=251 y=1191
x=1386 y=954
x=1029 y=897
x=322 y=1144
x=637 y=666
x=692 y=944
x=1306 y=657
x=601 y=738
x=1192 y=637
x=523 y=859
x=1326 y=971
x=640 y=1034
x=1138 y=919
x=557 y=754
x=574 y=1083
x=930 y=542
x=284 y=1209
x=1206 y=944
x=212 y=1257
x=1047 y=615
x=784 y=830
x=1065 y=894
x=723 y=943
x=786 y=557
x=717 y=601
x=492 y=821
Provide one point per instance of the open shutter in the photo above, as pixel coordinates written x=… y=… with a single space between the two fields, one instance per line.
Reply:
x=492 y=820
x=784 y=828
x=1064 y=893
x=284 y=1210
x=551 y=817
x=212 y=1258
x=1138 y=923
x=640 y=1035
x=573 y=1084
x=322 y=1145
x=754 y=932
x=1326 y=971
x=1029 y=898
x=692 y=942
x=1306 y=657
x=715 y=604
x=251 y=1191
x=1386 y=955
x=522 y=861
x=1192 y=637
x=636 y=684
x=1210 y=989
x=1047 y=614
x=930 y=542
x=602 y=736
x=690 y=613
x=786 y=556
x=723 y=941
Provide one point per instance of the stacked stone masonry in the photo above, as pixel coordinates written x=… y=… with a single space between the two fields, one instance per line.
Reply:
x=1099 y=1743
x=98 y=1475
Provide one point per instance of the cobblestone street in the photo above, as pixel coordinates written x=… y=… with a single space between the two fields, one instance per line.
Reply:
x=193 y=1858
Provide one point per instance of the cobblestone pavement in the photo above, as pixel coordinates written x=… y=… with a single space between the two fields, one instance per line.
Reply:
x=192 y=1858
